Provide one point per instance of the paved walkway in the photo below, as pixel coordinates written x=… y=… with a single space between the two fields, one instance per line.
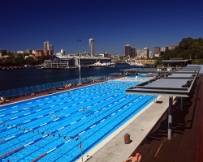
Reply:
x=114 y=148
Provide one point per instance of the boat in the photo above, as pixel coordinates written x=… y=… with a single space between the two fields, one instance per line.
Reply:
x=135 y=64
x=105 y=64
x=111 y=64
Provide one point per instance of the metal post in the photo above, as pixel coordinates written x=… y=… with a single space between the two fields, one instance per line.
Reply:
x=81 y=149
x=170 y=117
x=79 y=66
x=181 y=106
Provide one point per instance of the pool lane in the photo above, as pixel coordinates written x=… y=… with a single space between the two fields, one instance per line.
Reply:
x=50 y=121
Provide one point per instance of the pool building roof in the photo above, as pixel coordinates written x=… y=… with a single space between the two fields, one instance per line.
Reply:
x=179 y=83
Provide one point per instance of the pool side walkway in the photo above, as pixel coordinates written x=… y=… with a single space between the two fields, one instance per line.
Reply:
x=148 y=133
x=115 y=149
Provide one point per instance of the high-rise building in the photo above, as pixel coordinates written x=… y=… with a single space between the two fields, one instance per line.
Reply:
x=156 y=50
x=146 y=53
x=143 y=53
x=91 y=44
x=130 y=51
x=48 y=48
x=151 y=54
x=132 y=54
x=45 y=46
x=127 y=50
x=139 y=53
x=51 y=48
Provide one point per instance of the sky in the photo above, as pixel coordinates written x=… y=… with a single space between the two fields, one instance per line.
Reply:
x=27 y=24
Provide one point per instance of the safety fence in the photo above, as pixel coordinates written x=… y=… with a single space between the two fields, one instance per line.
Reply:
x=25 y=91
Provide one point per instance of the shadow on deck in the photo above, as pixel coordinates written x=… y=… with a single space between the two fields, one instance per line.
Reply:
x=187 y=132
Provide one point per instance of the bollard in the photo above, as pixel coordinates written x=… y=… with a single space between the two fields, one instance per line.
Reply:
x=127 y=138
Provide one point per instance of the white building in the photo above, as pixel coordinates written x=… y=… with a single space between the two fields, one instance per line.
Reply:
x=91 y=44
x=101 y=55
x=165 y=48
x=20 y=52
x=139 y=53
x=146 y=53
x=143 y=53
x=151 y=54
x=63 y=52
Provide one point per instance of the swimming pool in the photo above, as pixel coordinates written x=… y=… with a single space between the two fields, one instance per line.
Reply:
x=51 y=128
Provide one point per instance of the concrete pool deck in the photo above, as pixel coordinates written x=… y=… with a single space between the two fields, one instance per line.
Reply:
x=114 y=149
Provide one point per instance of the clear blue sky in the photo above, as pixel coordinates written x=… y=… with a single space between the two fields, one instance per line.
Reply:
x=111 y=23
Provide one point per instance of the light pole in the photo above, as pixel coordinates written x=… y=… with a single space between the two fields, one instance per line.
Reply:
x=79 y=66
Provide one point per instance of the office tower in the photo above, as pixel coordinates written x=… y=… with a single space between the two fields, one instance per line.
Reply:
x=91 y=44
x=146 y=53
x=45 y=46
x=151 y=55
x=132 y=54
x=156 y=50
x=127 y=50
x=139 y=53
x=48 y=48
x=51 y=48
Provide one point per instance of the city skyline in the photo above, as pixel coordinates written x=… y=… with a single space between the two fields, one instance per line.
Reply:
x=27 y=24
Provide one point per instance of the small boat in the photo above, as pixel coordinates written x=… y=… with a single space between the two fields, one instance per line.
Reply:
x=111 y=64
x=105 y=64
x=135 y=64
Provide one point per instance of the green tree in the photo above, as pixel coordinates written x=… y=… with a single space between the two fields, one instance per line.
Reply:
x=188 y=48
x=185 y=43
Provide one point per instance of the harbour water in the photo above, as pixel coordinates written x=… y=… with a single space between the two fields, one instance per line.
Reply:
x=18 y=78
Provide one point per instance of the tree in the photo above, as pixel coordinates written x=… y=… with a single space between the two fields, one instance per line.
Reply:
x=188 y=48
x=158 y=62
x=185 y=43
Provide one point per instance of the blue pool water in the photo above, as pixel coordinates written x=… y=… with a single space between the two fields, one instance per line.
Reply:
x=51 y=128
